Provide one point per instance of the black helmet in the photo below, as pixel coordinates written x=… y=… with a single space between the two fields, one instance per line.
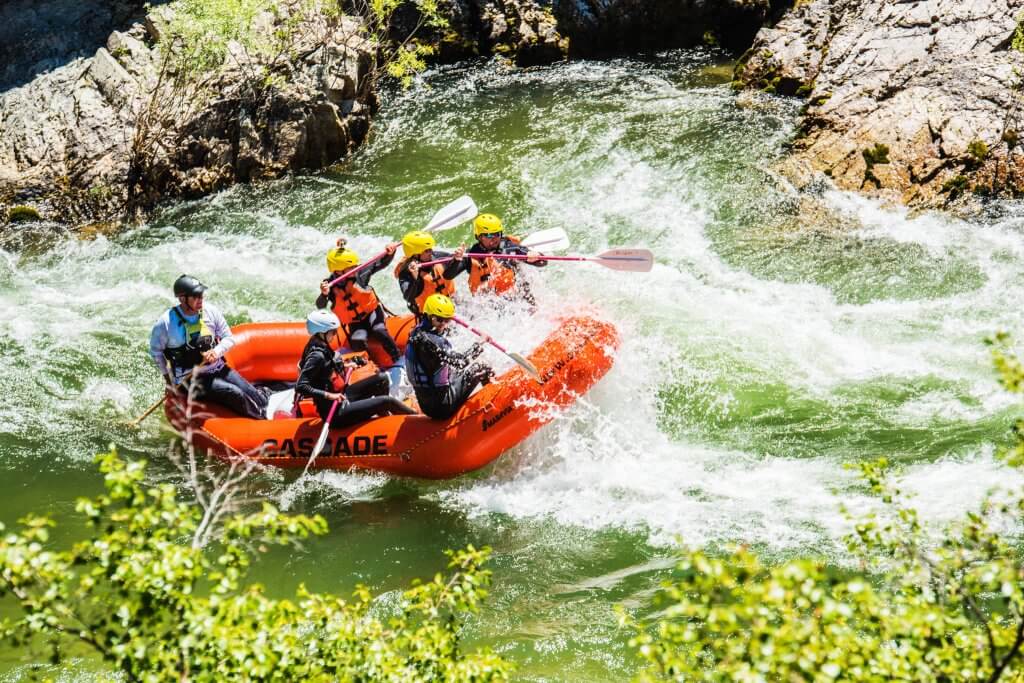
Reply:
x=186 y=285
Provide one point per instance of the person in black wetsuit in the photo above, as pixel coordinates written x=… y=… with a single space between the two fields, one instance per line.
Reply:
x=322 y=377
x=442 y=378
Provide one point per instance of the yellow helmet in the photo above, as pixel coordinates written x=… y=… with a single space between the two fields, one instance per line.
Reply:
x=417 y=242
x=340 y=258
x=439 y=305
x=486 y=224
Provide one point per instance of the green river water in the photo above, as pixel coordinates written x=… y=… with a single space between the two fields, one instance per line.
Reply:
x=761 y=353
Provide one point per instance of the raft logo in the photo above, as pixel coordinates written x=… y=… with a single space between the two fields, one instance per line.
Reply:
x=491 y=421
x=303 y=448
x=553 y=370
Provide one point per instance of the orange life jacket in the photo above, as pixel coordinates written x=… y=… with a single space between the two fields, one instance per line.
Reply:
x=352 y=303
x=488 y=273
x=434 y=282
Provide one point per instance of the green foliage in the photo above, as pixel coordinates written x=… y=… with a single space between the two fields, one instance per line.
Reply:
x=921 y=607
x=408 y=60
x=879 y=154
x=22 y=214
x=156 y=607
x=403 y=58
x=1018 y=35
x=198 y=38
x=978 y=149
x=955 y=185
x=977 y=152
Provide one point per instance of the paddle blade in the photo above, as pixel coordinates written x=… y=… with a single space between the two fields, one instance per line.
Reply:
x=322 y=441
x=456 y=213
x=633 y=260
x=530 y=368
x=554 y=239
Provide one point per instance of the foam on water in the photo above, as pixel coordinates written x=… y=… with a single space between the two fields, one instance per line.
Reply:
x=736 y=396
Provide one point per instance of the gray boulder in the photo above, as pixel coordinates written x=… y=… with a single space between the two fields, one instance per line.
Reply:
x=914 y=101
x=103 y=137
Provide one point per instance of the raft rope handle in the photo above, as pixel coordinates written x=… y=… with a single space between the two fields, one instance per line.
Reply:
x=406 y=455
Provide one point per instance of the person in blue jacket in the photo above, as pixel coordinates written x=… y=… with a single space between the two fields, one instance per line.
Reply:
x=188 y=344
x=441 y=378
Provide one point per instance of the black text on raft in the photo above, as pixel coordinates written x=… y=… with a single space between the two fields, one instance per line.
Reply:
x=303 y=448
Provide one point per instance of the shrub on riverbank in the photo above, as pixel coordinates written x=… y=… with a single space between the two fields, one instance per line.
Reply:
x=155 y=606
x=921 y=608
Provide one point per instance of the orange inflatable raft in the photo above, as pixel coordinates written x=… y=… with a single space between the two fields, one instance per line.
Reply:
x=494 y=419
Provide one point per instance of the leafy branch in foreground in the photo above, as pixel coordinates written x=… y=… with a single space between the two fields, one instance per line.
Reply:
x=155 y=606
x=921 y=608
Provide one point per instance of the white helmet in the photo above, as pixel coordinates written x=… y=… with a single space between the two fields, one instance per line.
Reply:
x=321 y=320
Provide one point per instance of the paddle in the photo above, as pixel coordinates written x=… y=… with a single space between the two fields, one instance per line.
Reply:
x=554 y=239
x=525 y=364
x=455 y=213
x=633 y=260
x=137 y=421
x=327 y=427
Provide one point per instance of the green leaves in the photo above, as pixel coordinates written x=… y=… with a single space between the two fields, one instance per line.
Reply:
x=153 y=606
x=922 y=608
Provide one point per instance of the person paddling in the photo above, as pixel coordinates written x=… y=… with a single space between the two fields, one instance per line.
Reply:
x=192 y=339
x=497 y=275
x=355 y=302
x=322 y=376
x=442 y=379
x=417 y=284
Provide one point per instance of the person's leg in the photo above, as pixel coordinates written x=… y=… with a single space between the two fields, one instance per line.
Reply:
x=441 y=404
x=375 y=385
x=231 y=390
x=464 y=383
x=380 y=331
x=358 y=411
x=357 y=335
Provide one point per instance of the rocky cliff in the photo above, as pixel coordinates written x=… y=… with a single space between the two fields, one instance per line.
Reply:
x=915 y=101
x=533 y=32
x=101 y=135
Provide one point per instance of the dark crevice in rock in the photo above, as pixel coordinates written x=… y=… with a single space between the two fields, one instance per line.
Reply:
x=37 y=36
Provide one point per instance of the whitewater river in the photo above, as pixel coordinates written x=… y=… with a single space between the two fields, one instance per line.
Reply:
x=763 y=351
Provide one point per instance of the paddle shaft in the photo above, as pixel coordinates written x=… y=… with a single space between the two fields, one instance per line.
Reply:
x=530 y=368
x=457 y=212
x=322 y=439
x=358 y=269
x=480 y=334
x=149 y=411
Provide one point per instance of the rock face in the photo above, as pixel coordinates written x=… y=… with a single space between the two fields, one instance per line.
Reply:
x=916 y=101
x=40 y=35
x=98 y=137
x=606 y=27
x=523 y=31
x=542 y=31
